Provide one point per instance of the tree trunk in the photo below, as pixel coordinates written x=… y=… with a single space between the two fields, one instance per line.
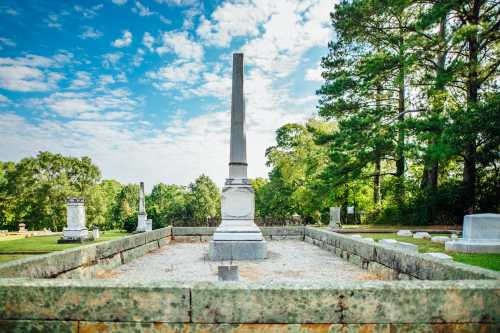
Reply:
x=400 y=156
x=376 y=176
x=469 y=174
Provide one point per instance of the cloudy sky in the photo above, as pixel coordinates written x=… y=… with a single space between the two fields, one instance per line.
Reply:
x=143 y=87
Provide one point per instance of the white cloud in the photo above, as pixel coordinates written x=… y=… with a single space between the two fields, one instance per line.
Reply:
x=106 y=79
x=138 y=58
x=119 y=2
x=4 y=100
x=82 y=80
x=87 y=105
x=314 y=74
x=180 y=44
x=7 y=42
x=164 y=19
x=53 y=21
x=179 y=73
x=148 y=41
x=111 y=59
x=232 y=20
x=91 y=33
x=142 y=10
x=32 y=72
x=88 y=13
x=124 y=41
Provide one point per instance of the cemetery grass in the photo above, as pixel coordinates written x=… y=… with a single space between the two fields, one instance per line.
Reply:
x=20 y=248
x=484 y=260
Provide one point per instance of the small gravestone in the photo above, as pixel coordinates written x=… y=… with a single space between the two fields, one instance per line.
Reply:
x=440 y=239
x=439 y=255
x=481 y=234
x=149 y=225
x=335 y=218
x=76 y=231
x=400 y=245
x=422 y=235
x=22 y=227
x=95 y=233
x=228 y=273
x=405 y=233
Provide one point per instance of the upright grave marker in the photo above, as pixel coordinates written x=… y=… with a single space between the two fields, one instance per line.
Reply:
x=76 y=231
x=237 y=237
x=481 y=234
x=335 y=218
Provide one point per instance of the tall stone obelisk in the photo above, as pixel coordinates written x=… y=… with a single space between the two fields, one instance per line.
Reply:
x=237 y=237
x=141 y=217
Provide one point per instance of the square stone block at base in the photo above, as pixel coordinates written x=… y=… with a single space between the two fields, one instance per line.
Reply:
x=74 y=236
x=466 y=246
x=237 y=250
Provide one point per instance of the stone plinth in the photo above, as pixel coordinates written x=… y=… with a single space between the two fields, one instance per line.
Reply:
x=481 y=234
x=237 y=238
x=335 y=218
x=76 y=230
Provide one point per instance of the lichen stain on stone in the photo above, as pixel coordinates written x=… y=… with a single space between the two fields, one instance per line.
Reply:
x=95 y=327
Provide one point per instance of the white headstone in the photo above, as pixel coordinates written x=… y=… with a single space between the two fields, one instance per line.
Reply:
x=399 y=245
x=335 y=218
x=440 y=239
x=405 y=233
x=75 y=213
x=422 y=235
x=439 y=255
x=350 y=210
x=481 y=234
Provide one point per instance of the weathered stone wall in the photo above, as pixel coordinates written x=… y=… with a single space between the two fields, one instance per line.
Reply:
x=377 y=306
x=203 y=234
x=391 y=263
x=87 y=261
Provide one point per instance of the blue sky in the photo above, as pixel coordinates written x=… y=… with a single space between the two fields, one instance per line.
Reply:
x=143 y=87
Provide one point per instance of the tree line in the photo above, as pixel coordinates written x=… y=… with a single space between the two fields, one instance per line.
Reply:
x=34 y=191
x=408 y=124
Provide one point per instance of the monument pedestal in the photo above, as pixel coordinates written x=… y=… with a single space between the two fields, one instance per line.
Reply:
x=481 y=234
x=238 y=237
x=75 y=232
x=141 y=223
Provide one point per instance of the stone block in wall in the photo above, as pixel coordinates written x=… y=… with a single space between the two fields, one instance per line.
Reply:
x=348 y=302
x=204 y=238
x=188 y=239
x=164 y=241
x=49 y=265
x=23 y=326
x=134 y=253
x=356 y=260
x=382 y=271
x=188 y=231
x=93 y=300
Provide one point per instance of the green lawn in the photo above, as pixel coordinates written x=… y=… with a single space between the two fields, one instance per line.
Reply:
x=20 y=248
x=485 y=260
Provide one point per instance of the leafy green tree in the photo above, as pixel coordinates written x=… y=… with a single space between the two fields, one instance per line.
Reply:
x=203 y=201
x=167 y=204
x=126 y=205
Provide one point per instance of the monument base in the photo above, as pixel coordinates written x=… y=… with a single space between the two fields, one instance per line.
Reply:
x=471 y=246
x=141 y=223
x=237 y=250
x=74 y=236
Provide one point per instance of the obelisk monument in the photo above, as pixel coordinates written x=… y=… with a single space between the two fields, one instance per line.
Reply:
x=141 y=217
x=237 y=237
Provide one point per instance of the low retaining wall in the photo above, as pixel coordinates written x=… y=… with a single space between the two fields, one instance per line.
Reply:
x=89 y=260
x=391 y=263
x=203 y=234
x=105 y=306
